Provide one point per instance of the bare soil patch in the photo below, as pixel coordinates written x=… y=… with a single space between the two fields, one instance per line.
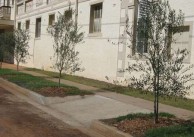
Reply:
x=138 y=126
x=53 y=91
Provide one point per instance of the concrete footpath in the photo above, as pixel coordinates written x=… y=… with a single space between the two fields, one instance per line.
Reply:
x=102 y=105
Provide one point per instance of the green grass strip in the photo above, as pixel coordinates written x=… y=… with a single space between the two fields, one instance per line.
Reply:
x=35 y=83
x=186 y=130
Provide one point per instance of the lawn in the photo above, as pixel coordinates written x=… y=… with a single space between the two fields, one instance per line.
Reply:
x=38 y=83
x=185 y=130
x=78 y=79
x=178 y=102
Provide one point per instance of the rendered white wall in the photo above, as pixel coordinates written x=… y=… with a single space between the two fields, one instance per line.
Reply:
x=97 y=54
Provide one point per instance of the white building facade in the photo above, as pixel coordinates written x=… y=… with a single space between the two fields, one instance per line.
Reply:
x=186 y=39
x=103 y=23
x=98 y=55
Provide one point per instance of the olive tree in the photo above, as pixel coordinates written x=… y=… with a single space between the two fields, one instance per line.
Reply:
x=66 y=35
x=21 y=39
x=162 y=69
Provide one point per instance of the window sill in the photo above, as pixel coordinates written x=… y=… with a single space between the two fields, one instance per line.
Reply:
x=95 y=34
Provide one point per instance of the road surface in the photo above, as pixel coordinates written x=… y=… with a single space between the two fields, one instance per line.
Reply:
x=20 y=119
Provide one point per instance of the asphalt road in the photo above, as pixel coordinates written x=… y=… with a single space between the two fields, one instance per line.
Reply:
x=20 y=119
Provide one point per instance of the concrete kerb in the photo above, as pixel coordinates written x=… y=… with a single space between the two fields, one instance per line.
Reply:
x=106 y=130
x=42 y=99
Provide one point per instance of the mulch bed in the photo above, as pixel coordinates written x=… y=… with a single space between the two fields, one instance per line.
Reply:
x=138 y=126
x=53 y=91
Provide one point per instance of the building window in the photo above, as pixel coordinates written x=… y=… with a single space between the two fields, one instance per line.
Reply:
x=95 y=18
x=4 y=2
x=51 y=20
x=141 y=46
x=27 y=25
x=20 y=9
x=142 y=41
x=38 y=28
x=29 y=5
x=181 y=39
x=19 y=25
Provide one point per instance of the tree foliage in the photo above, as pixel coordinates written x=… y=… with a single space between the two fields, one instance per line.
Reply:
x=66 y=35
x=21 y=39
x=6 y=46
x=163 y=70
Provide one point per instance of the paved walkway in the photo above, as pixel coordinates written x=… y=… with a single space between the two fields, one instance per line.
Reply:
x=98 y=103
x=96 y=107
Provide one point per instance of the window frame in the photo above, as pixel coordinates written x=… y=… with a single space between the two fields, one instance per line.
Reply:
x=27 y=2
x=27 y=24
x=51 y=22
x=38 y=28
x=19 y=25
x=96 y=9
